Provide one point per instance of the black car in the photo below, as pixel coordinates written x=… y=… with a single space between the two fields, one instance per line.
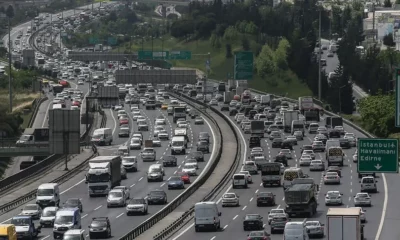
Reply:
x=287 y=144
x=233 y=111
x=170 y=160
x=100 y=227
x=344 y=143
x=253 y=222
x=334 y=134
x=254 y=141
x=204 y=136
x=225 y=107
x=335 y=169
x=306 y=147
x=199 y=156
x=73 y=203
x=157 y=197
x=265 y=199
x=203 y=146
x=281 y=159
x=277 y=143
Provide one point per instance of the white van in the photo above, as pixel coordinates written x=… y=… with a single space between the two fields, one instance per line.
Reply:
x=75 y=234
x=48 y=194
x=239 y=180
x=66 y=219
x=295 y=231
x=290 y=174
x=102 y=136
x=206 y=216
x=178 y=145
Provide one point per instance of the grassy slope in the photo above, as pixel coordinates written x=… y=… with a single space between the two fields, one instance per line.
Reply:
x=220 y=65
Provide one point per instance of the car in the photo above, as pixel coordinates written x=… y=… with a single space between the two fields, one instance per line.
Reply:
x=156 y=142
x=190 y=169
x=292 y=139
x=143 y=126
x=135 y=143
x=32 y=210
x=125 y=189
x=73 y=203
x=251 y=167
x=274 y=134
x=157 y=129
x=275 y=212
x=137 y=205
x=182 y=124
x=157 y=197
x=213 y=102
x=368 y=184
x=256 y=235
x=164 y=106
x=163 y=135
x=169 y=160
x=249 y=177
x=159 y=122
x=224 y=107
x=305 y=160
x=339 y=129
x=278 y=222
x=265 y=199
x=317 y=165
x=287 y=153
x=330 y=54
x=123 y=131
x=277 y=143
x=184 y=176
x=116 y=198
x=257 y=149
x=192 y=162
x=199 y=156
x=352 y=140
x=100 y=227
x=203 y=146
x=318 y=146
x=333 y=198
x=230 y=199
x=175 y=182
x=362 y=199
x=331 y=178
x=123 y=120
x=130 y=163
x=48 y=216
x=315 y=229
x=198 y=120
x=299 y=135
x=345 y=143
x=335 y=169
x=306 y=147
x=309 y=152
x=355 y=157
x=321 y=137
x=253 y=221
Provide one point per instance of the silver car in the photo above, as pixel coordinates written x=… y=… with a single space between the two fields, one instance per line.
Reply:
x=362 y=199
x=137 y=205
x=309 y=152
x=287 y=153
x=48 y=216
x=331 y=178
x=317 y=165
x=32 y=210
x=275 y=212
x=158 y=129
x=333 y=198
x=116 y=198
x=230 y=199
x=148 y=154
x=315 y=229
x=190 y=169
x=299 y=135
x=305 y=160
x=163 y=135
x=135 y=143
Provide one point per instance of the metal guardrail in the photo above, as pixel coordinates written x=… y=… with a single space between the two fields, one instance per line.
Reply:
x=147 y=224
x=43 y=165
x=36 y=105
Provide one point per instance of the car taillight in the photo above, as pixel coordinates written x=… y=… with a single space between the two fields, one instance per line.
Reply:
x=249 y=238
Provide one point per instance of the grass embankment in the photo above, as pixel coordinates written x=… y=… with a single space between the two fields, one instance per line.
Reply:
x=285 y=83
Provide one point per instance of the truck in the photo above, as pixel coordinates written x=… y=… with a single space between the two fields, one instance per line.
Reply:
x=288 y=118
x=257 y=128
x=104 y=173
x=231 y=84
x=242 y=83
x=56 y=88
x=300 y=197
x=239 y=90
x=181 y=132
x=335 y=156
x=34 y=137
x=298 y=125
x=7 y=231
x=271 y=174
x=148 y=143
x=228 y=97
x=332 y=122
x=25 y=227
x=344 y=224
x=311 y=116
x=221 y=87
x=266 y=99
x=274 y=103
x=306 y=103
x=179 y=112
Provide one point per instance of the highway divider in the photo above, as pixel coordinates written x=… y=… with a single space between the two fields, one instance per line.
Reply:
x=43 y=166
x=36 y=105
x=147 y=224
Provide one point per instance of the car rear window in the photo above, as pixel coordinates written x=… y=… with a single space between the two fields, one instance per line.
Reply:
x=238 y=177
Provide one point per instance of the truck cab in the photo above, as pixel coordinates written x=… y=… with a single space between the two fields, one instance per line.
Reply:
x=25 y=227
x=8 y=232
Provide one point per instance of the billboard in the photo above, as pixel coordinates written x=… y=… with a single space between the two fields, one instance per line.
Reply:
x=64 y=127
x=156 y=76
x=388 y=22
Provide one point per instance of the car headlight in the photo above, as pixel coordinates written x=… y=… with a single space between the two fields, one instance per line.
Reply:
x=54 y=228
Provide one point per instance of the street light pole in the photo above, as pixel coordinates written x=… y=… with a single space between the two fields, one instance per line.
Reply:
x=319 y=58
x=9 y=65
x=340 y=99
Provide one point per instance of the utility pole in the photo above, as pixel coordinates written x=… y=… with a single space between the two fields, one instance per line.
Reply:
x=373 y=21
x=10 y=14
x=319 y=58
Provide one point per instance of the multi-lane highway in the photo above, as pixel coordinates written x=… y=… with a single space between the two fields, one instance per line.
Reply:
x=232 y=217
x=137 y=181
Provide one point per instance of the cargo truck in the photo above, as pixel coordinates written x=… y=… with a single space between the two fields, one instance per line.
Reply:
x=228 y=97
x=266 y=99
x=8 y=232
x=241 y=83
x=311 y=116
x=332 y=122
x=231 y=84
x=104 y=173
x=300 y=198
x=335 y=156
x=257 y=128
x=271 y=174
x=239 y=90
x=306 y=103
x=344 y=224
x=288 y=118
x=179 y=112
x=34 y=137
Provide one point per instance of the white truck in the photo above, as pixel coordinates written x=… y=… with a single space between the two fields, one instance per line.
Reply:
x=344 y=224
x=34 y=137
x=266 y=99
x=182 y=132
x=306 y=103
x=179 y=112
x=228 y=97
x=242 y=83
x=104 y=173
x=288 y=118
x=335 y=156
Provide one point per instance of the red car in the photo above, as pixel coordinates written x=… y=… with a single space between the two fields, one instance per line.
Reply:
x=184 y=176
x=76 y=103
x=123 y=121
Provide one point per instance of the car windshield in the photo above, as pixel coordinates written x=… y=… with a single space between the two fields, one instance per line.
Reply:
x=275 y=211
x=44 y=192
x=63 y=219
x=129 y=160
x=362 y=195
x=157 y=193
x=137 y=201
x=148 y=150
x=368 y=180
x=191 y=161
x=314 y=224
x=229 y=195
x=188 y=166
x=72 y=201
x=71 y=237
x=333 y=194
x=20 y=221
x=251 y=217
x=256 y=234
x=115 y=194
x=30 y=207
x=177 y=178
x=98 y=223
x=49 y=213
x=177 y=143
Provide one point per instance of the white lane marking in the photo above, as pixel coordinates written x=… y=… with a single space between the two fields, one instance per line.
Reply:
x=225 y=227
x=133 y=185
x=47 y=113
x=6 y=220
x=140 y=179
x=278 y=206
x=76 y=184
x=235 y=217
x=115 y=122
x=45 y=237
x=213 y=238
x=251 y=199
x=120 y=215
x=98 y=207
x=378 y=233
x=84 y=216
x=244 y=208
x=162 y=185
x=257 y=190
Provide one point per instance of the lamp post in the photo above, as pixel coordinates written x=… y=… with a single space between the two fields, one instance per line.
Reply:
x=340 y=99
x=319 y=53
x=10 y=14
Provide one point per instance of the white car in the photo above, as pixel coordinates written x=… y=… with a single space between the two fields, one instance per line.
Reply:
x=32 y=210
x=287 y=153
x=190 y=169
x=116 y=198
x=305 y=160
x=137 y=205
x=333 y=198
x=135 y=115
x=309 y=152
x=158 y=129
x=80 y=82
x=257 y=149
x=355 y=157
x=230 y=199
x=250 y=166
x=135 y=108
x=182 y=125
x=362 y=199
x=163 y=135
x=248 y=175
x=275 y=212
x=125 y=189
x=317 y=165
x=192 y=162
x=135 y=143
x=159 y=122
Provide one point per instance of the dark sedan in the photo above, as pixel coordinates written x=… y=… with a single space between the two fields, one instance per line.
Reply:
x=73 y=203
x=175 y=182
x=344 y=143
x=253 y=222
x=277 y=142
x=265 y=199
x=157 y=197
x=199 y=156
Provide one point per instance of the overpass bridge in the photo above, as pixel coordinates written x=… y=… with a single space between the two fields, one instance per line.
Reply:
x=8 y=148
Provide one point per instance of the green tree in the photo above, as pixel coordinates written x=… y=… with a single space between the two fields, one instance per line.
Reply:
x=281 y=54
x=265 y=62
x=228 y=49
x=231 y=34
x=341 y=92
x=245 y=44
x=387 y=4
x=388 y=40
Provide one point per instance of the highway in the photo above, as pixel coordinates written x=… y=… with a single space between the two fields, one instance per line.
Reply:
x=232 y=217
x=96 y=207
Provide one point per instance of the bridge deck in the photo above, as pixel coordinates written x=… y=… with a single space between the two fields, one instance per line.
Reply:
x=24 y=151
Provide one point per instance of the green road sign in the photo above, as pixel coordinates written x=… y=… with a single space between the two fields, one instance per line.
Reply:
x=149 y=55
x=397 y=97
x=93 y=40
x=182 y=55
x=378 y=155
x=112 y=41
x=243 y=69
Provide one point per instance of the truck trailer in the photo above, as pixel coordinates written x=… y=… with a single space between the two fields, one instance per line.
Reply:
x=344 y=224
x=300 y=198
x=288 y=118
x=104 y=173
x=257 y=128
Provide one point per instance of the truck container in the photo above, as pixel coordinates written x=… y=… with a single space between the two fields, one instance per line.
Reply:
x=241 y=83
x=257 y=128
x=306 y=103
x=34 y=136
x=288 y=118
x=148 y=143
x=300 y=199
x=8 y=232
x=179 y=112
x=336 y=121
x=231 y=84
x=104 y=173
x=228 y=97
x=344 y=224
x=271 y=174
x=221 y=87
x=108 y=92
x=275 y=102
x=266 y=99
x=239 y=90
x=311 y=116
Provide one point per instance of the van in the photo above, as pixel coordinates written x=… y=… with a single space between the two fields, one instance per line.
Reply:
x=239 y=180
x=74 y=234
x=66 y=219
x=178 y=144
x=8 y=231
x=102 y=136
x=123 y=151
x=206 y=216
x=290 y=174
x=155 y=173
x=368 y=184
x=48 y=194
x=313 y=128
x=295 y=231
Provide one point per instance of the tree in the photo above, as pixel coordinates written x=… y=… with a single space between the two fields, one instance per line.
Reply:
x=340 y=95
x=10 y=12
x=388 y=40
x=387 y=4
x=281 y=54
x=265 y=62
x=228 y=49
x=245 y=44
